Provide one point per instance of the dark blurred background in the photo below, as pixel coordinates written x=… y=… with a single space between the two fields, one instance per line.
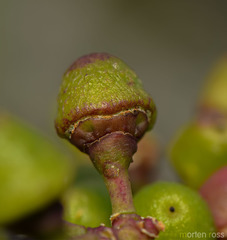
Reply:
x=172 y=45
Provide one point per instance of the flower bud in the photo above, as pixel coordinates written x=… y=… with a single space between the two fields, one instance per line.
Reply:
x=100 y=95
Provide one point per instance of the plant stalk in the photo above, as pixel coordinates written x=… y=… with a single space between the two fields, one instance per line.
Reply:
x=119 y=188
x=111 y=156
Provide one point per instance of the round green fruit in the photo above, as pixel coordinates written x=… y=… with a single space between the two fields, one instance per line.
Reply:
x=183 y=212
x=33 y=172
x=87 y=204
x=198 y=151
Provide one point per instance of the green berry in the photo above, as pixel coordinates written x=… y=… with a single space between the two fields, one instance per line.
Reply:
x=181 y=209
x=33 y=171
x=198 y=151
x=87 y=204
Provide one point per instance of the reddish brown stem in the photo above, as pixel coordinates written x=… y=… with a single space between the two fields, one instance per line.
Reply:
x=112 y=155
x=119 y=188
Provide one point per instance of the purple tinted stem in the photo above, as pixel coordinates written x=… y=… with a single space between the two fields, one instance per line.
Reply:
x=119 y=188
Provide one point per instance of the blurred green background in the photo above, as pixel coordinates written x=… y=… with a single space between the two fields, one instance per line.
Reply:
x=172 y=45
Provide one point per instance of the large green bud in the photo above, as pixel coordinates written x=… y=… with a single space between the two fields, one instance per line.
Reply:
x=99 y=95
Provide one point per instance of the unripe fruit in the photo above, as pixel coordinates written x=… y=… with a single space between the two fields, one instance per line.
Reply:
x=33 y=171
x=181 y=209
x=87 y=204
x=197 y=151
